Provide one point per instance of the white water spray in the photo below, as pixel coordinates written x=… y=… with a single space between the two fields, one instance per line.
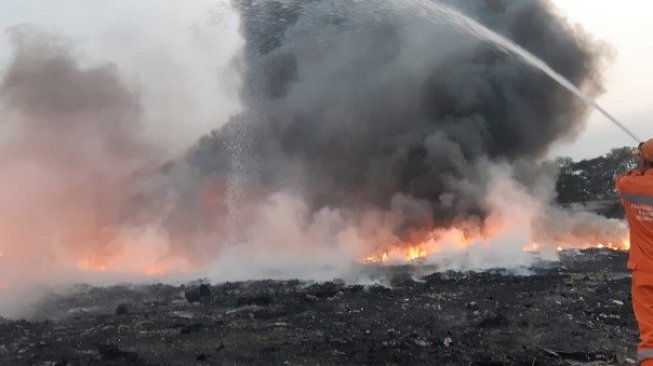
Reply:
x=433 y=11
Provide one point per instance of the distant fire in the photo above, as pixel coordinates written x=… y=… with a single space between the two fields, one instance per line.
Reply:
x=149 y=257
x=622 y=246
x=408 y=253
x=411 y=252
x=138 y=266
x=92 y=265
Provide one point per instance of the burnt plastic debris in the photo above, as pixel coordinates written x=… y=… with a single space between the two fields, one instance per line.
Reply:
x=196 y=294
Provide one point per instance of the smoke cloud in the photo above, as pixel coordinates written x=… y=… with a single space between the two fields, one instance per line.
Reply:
x=76 y=151
x=361 y=127
x=356 y=110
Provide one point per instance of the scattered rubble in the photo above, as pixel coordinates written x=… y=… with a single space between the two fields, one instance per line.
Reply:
x=198 y=293
x=576 y=312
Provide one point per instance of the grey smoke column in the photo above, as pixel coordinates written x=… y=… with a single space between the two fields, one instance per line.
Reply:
x=356 y=107
x=76 y=144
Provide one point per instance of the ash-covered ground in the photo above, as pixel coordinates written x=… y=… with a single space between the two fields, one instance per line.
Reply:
x=575 y=312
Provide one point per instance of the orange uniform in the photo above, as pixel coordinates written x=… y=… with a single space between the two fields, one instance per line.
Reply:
x=636 y=190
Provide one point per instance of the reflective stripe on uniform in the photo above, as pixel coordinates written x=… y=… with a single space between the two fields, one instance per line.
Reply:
x=637 y=198
x=644 y=354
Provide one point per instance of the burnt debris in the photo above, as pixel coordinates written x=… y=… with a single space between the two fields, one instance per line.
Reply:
x=198 y=294
x=577 y=310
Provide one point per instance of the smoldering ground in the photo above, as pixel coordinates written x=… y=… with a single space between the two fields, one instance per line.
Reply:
x=361 y=128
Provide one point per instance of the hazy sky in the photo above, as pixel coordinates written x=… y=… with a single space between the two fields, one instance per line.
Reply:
x=188 y=41
x=626 y=25
x=178 y=56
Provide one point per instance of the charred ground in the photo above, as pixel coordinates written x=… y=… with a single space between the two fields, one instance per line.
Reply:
x=577 y=311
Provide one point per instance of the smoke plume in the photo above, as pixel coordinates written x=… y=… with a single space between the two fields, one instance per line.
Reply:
x=356 y=110
x=362 y=127
x=69 y=163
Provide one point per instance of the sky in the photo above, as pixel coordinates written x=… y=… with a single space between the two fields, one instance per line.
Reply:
x=190 y=44
x=626 y=26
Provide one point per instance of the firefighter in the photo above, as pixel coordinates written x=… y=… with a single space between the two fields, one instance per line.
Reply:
x=636 y=191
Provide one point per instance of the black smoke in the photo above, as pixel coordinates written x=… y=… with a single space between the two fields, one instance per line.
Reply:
x=356 y=106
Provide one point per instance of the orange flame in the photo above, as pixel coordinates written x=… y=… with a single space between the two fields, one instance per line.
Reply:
x=377 y=258
x=416 y=252
x=410 y=252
